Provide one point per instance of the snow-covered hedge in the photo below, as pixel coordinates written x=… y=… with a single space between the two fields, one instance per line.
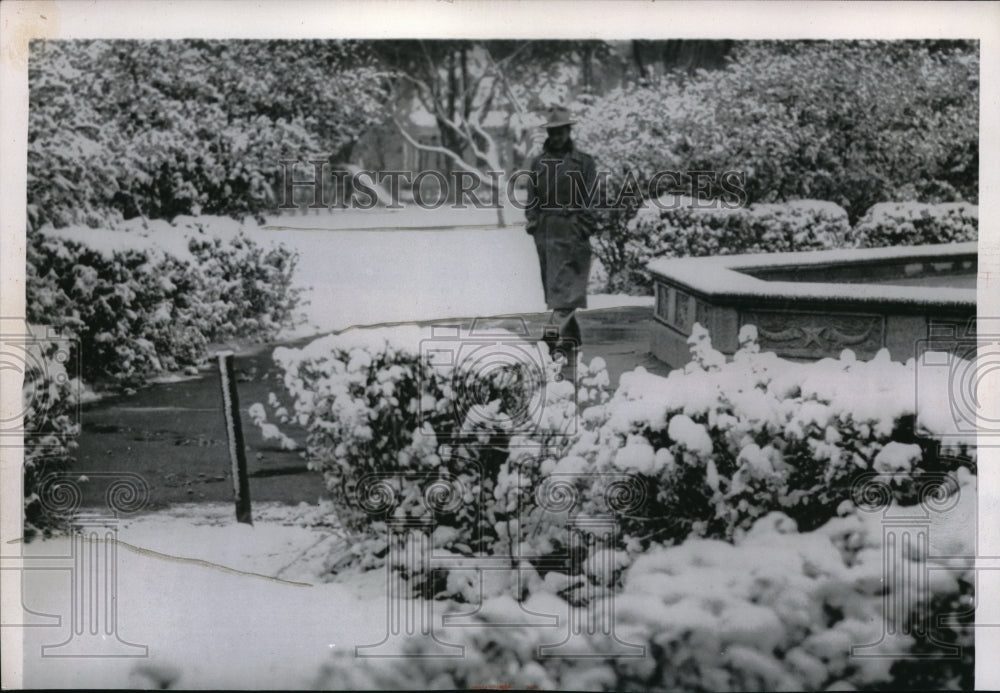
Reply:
x=775 y=610
x=388 y=421
x=139 y=312
x=121 y=128
x=50 y=394
x=915 y=223
x=720 y=444
x=781 y=113
x=714 y=446
x=676 y=227
x=754 y=562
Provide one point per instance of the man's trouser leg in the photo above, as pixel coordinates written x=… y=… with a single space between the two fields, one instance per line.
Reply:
x=568 y=329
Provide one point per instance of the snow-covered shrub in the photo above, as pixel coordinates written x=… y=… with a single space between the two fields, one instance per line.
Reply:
x=755 y=563
x=716 y=445
x=385 y=419
x=776 y=610
x=721 y=444
x=140 y=312
x=676 y=227
x=50 y=393
x=797 y=225
x=246 y=289
x=124 y=128
x=820 y=120
x=825 y=120
x=915 y=223
x=120 y=306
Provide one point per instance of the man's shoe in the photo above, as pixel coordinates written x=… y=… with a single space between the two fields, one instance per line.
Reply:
x=566 y=351
x=550 y=337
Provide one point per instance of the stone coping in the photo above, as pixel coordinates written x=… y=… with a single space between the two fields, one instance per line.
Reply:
x=723 y=277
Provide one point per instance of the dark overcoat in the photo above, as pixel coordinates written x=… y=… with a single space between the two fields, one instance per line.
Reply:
x=562 y=195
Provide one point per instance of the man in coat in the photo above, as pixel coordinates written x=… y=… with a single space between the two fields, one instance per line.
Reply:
x=560 y=217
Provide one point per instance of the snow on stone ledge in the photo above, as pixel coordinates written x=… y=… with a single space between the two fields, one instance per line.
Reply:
x=724 y=276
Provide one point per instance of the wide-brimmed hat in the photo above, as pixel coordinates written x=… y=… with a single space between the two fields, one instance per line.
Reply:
x=557 y=117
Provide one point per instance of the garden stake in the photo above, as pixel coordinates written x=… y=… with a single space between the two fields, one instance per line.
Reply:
x=234 y=431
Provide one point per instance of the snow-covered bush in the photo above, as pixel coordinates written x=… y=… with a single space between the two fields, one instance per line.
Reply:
x=720 y=444
x=124 y=128
x=676 y=227
x=797 y=225
x=827 y=120
x=914 y=223
x=387 y=422
x=245 y=289
x=776 y=610
x=755 y=562
x=821 y=120
x=50 y=393
x=715 y=446
x=139 y=312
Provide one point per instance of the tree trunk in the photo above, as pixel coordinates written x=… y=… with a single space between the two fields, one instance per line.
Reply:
x=695 y=54
x=448 y=139
x=588 y=68
x=339 y=161
x=637 y=57
x=466 y=94
x=501 y=214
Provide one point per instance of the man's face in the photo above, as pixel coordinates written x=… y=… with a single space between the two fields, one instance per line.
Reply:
x=559 y=136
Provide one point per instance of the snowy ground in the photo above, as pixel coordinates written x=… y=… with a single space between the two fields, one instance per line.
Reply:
x=224 y=605
x=364 y=268
x=205 y=593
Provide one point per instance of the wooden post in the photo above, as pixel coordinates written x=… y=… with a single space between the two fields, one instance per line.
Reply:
x=234 y=431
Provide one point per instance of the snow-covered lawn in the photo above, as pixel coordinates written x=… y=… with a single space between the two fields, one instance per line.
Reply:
x=359 y=271
x=224 y=605
x=215 y=602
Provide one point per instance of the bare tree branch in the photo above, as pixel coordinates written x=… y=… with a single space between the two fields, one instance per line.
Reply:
x=476 y=151
x=474 y=125
x=424 y=93
x=504 y=61
x=487 y=103
x=454 y=157
x=502 y=76
x=430 y=102
x=432 y=70
x=474 y=87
